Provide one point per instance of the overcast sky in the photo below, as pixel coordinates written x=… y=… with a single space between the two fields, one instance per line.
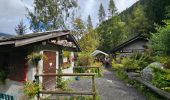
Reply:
x=12 y=11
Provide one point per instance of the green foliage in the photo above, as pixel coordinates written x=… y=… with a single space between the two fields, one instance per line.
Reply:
x=122 y=74
x=3 y=76
x=79 y=28
x=165 y=60
x=31 y=89
x=89 y=23
x=66 y=54
x=50 y=14
x=112 y=8
x=101 y=14
x=138 y=22
x=85 y=59
x=90 y=41
x=137 y=62
x=161 y=78
x=34 y=58
x=79 y=70
x=116 y=66
x=20 y=29
x=160 y=40
x=112 y=32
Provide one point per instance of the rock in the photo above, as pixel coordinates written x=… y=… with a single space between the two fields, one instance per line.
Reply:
x=147 y=73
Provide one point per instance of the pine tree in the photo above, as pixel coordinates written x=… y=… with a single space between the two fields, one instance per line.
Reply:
x=89 y=23
x=20 y=29
x=50 y=14
x=112 y=8
x=101 y=14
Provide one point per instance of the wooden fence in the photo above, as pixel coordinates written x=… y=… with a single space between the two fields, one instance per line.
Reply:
x=93 y=92
x=87 y=67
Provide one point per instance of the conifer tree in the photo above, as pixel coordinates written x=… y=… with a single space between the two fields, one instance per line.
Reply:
x=112 y=8
x=20 y=29
x=101 y=13
x=89 y=23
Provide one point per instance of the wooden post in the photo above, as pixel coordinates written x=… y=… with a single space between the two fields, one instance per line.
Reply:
x=94 y=87
x=37 y=80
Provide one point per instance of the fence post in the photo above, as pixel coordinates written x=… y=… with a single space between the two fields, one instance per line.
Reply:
x=37 y=80
x=94 y=87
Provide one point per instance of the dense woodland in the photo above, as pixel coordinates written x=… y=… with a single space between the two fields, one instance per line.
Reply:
x=139 y=19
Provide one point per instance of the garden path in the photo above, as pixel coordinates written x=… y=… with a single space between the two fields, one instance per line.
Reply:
x=109 y=88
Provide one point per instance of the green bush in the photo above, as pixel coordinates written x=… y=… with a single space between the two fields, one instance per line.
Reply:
x=161 y=78
x=31 y=89
x=136 y=62
x=165 y=60
x=116 y=66
x=85 y=59
x=79 y=70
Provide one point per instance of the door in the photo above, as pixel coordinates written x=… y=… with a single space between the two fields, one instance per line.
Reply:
x=49 y=66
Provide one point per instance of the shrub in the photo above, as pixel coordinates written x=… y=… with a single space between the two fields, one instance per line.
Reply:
x=116 y=66
x=97 y=64
x=85 y=59
x=137 y=62
x=165 y=60
x=79 y=70
x=161 y=78
x=31 y=89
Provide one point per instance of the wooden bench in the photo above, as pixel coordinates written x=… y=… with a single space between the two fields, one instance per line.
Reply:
x=6 y=97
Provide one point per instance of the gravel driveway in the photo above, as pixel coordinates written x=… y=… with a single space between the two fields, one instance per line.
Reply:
x=109 y=88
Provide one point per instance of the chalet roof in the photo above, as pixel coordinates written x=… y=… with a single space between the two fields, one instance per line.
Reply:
x=128 y=42
x=96 y=52
x=36 y=37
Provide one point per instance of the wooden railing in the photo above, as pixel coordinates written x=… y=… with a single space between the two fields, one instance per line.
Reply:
x=87 y=67
x=93 y=92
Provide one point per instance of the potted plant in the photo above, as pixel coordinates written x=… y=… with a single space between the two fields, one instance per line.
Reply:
x=34 y=58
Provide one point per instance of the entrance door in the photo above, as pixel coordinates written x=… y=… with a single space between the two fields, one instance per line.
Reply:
x=49 y=66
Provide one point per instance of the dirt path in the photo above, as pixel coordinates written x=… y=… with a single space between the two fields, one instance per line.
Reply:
x=109 y=88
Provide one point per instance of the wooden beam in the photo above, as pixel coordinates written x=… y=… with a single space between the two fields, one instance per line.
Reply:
x=38 y=39
x=67 y=74
x=67 y=92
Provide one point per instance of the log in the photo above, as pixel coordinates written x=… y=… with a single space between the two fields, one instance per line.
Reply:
x=67 y=74
x=160 y=92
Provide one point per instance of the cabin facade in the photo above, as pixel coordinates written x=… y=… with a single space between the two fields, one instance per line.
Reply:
x=137 y=44
x=14 y=62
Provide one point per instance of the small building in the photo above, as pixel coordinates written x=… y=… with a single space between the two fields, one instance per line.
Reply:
x=99 y=55
x=13 y=58
x=136 y=44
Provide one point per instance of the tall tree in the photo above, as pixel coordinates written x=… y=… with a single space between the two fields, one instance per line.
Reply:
x=112 y=8
x=50 y=14
x=79 y=28
x=89 y=23
x=90 y=41
x=138 y=22
x=101 y=14
x=21 y=28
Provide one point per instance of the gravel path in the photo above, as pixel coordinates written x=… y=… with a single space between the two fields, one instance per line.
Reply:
x=109 y=88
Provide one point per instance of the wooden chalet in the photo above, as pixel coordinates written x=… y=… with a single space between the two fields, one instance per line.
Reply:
x=14 y=52
x=136 y=44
